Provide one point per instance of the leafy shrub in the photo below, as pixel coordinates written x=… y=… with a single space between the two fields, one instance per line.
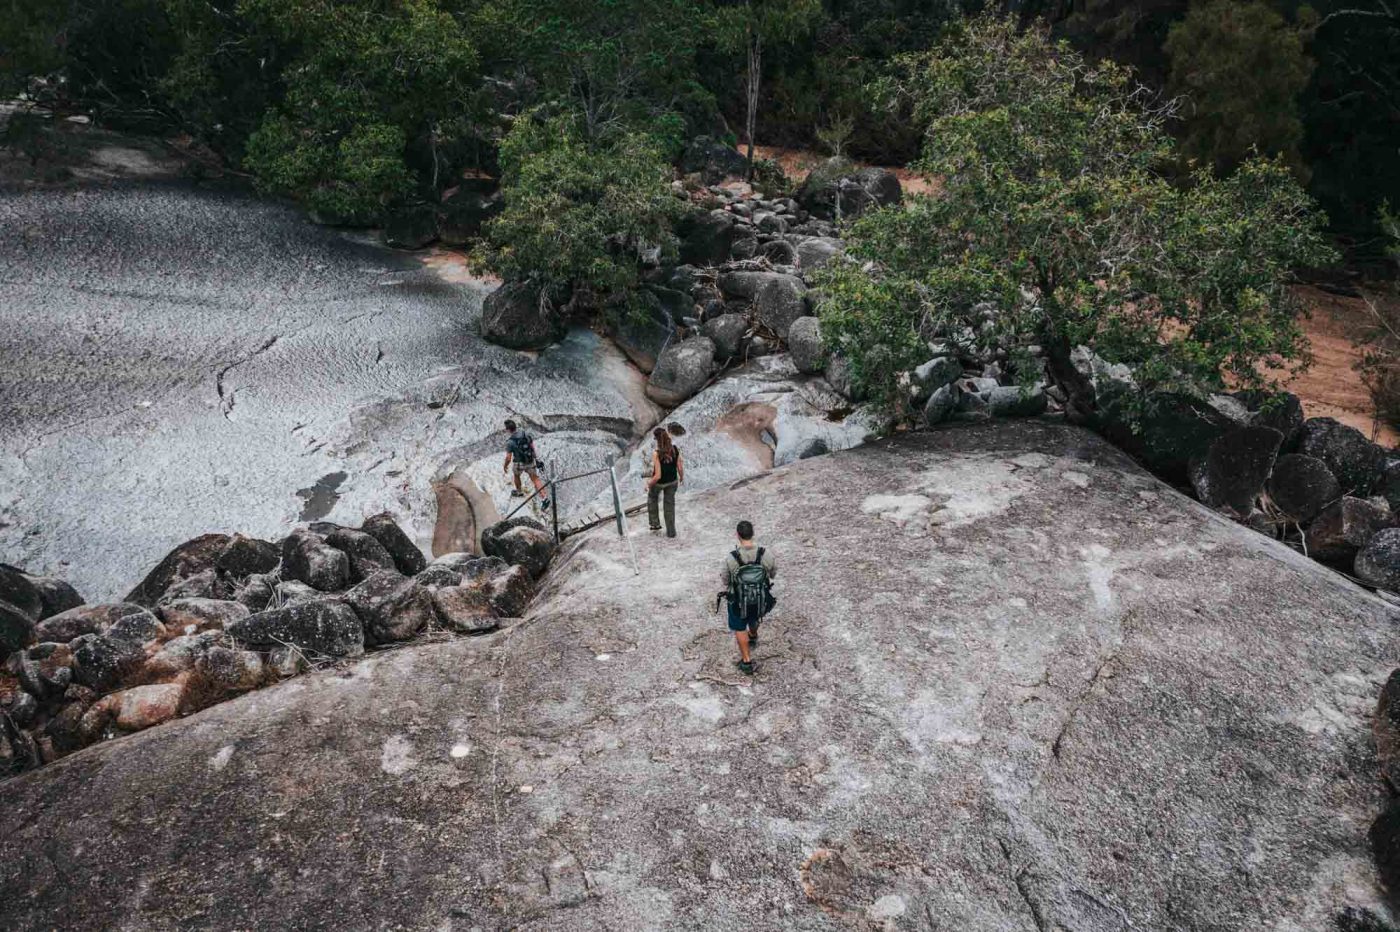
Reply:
x=363 y=89
x=1053 y=209
x=577 y=211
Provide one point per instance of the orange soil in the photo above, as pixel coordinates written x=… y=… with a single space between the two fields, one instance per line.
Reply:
x=797 y=163
x=1339 y=329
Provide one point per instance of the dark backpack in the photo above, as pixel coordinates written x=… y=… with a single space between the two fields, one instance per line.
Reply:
x=750 y=591
x=522 y=448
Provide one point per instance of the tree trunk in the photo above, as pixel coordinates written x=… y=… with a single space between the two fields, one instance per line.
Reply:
x=751 y=116
x=1080 y=404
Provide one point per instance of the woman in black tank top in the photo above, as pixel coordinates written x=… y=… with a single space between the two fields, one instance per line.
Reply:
x=667 y=472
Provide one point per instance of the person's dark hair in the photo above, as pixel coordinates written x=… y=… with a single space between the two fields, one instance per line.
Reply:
x=510 y=425
x=664 y=447
x=745 y=530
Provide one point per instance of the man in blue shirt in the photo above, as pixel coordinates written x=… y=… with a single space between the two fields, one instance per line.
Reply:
x=520 y=454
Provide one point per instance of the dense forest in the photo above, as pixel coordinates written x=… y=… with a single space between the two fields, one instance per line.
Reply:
x=363 y=106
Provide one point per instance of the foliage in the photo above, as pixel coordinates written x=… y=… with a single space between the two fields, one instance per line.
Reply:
x=1241 y=68
x=620 y=64
x=578 y=210
x=1389 y=223
x=367 y=82
x=1053 y=208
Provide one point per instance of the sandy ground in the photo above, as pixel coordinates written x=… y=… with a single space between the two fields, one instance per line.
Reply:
x=1339 y=329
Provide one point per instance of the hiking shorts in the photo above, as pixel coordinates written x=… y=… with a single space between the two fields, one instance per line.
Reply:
x=736 y=623
x=531 y=469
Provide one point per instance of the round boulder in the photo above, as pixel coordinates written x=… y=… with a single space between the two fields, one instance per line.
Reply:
x=307 y=558
x=1301 y=486
x=1232 y=474
x=727 y=333
x=324 y=627
x=519 y=315
x=189 y=559
x=1378 y=563
x=520 y=542
x=804 y=340
x=780 y=301
x=1358 y=464
x=682 y=370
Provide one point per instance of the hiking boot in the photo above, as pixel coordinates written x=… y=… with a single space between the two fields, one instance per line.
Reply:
x=516 y=493
x=544 y=503
x=746 y=666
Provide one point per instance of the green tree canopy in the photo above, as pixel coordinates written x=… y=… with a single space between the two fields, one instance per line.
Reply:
x=1241 y=68
x=1053 y=208
x=578 y=210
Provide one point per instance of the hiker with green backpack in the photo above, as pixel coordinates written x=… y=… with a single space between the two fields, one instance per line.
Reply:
x=749 y=571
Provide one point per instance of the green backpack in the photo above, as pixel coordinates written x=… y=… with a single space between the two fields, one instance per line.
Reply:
x=750 y=591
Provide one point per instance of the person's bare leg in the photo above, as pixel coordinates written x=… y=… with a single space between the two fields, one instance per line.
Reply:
x=539 y=483
x=743 y=638
x=515 y=476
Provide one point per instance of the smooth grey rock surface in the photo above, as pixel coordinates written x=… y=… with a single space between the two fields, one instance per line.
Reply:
x=179 y=360
x=1012 y=682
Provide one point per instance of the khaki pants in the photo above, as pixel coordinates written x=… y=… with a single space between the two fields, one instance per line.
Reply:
x=669 y=492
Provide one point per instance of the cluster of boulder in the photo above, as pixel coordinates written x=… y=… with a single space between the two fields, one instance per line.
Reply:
x=224 y=614
x=455 y=221
x=740 y=289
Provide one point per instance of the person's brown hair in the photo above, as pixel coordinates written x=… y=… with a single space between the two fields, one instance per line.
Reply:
x=664 y=447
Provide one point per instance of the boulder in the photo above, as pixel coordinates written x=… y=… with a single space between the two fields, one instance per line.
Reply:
x=307 y=558
x=284 y=662
x=223 y=670
x=743 y=284
x=1172 y=431
x=1378 y=562
x=55 y=595
x=367 y=555
x=22 y=709
x=100 y=661
x=804 y=341
x=838 y=191
x=1343 y=528
x=1385 y=846
x=256 y=592
x=201 y=614
x=391 y=607
x=407 y=557
x=190 y=558
x=934 y=374
x=1015 y=401
x=472 y=568
x=16 y=629
x=942 y=404
x=510 y=592
x=245 y=556
x=18 y=591
x=678 y=305
x=464 y=213
x=465 y=609
x=143 y=706
x=85 y=619
x=519 y=315
x=839 y=376
x=1358 y=464
x=706 y=237
x=1385 y=726
x=179 y=655
x=324 y=627
x=779 y=252
x=779 y=301
x=745 y=247
x=1280 y=410
x=411 y=227
x=712 y=159
x=206 y=584
x=727 y=332
x=682 y=370
x=642 y=330
x=293 y=591
x=520 y=542
x=816 y=252
x=1232 y=474
x=1301 y=486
